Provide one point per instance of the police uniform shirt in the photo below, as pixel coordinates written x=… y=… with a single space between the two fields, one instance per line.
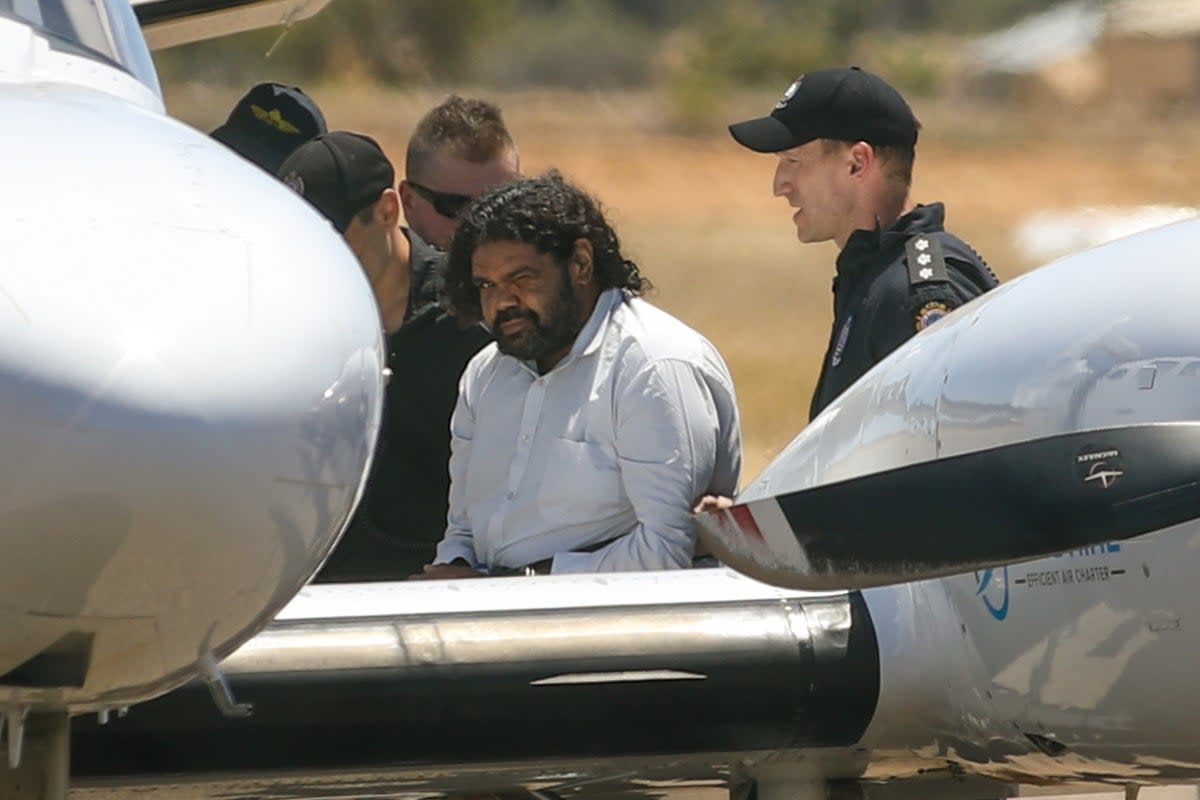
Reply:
x=890 y=285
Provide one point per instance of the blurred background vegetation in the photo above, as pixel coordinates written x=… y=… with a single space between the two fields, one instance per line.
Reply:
x=696 y=51
x=1049 y=126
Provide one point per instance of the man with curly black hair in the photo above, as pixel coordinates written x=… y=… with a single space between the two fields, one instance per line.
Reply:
x=586 y=432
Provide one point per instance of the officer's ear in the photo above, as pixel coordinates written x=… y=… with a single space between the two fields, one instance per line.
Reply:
x=387 y=209
x=583 y=263
x=860 y=156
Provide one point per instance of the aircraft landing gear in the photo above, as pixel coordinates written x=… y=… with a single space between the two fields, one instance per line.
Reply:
x=38 y=750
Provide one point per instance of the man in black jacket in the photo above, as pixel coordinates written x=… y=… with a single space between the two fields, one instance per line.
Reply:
x=846 y=142
x=402 y=515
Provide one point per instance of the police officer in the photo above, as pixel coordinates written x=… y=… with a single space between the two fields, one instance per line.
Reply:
x=269 y=123
x=846 y=141
x=463 y=148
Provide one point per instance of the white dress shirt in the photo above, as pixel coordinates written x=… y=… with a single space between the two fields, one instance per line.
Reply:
x=616 y=442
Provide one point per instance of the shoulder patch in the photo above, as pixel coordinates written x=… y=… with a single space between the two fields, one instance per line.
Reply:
x=930 y=313
x=926 y=261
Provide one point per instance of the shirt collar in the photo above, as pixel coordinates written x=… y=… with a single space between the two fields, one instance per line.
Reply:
x=426 y=280
x=864 y=246
x=591 y=335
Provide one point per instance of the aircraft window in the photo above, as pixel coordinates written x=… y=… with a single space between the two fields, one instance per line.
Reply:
x=25 y=9
x=103 y=29
x=131 y=45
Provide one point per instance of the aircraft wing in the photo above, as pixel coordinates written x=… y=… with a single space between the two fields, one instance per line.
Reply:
x=167 y=23
x=1020 y=501
x=684 y=684
x=1009 y=431
x=631 y=685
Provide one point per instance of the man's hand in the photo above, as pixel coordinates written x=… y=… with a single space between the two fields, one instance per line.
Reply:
x=712 y=502
x=438 y=572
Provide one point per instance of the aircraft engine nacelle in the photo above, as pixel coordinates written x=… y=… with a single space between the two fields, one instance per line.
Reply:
x=1058 y=411
x=191 y=373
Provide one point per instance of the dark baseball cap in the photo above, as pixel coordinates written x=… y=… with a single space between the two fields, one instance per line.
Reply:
x=269 y=122
x=340 y=173
x=848 y=104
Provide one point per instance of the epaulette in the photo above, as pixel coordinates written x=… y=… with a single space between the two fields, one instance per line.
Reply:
x=926 y=261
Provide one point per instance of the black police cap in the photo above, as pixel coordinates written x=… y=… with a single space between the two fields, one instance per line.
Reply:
x=340 y=173
x=269 y=122
x=848 y=104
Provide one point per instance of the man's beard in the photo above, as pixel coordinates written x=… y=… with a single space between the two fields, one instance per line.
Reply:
x=559 y=330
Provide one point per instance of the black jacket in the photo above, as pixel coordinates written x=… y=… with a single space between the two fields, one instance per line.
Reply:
x=402 y=515
x=889 y=285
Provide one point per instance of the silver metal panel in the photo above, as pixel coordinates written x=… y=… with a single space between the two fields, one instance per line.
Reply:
x=191 y=374
x=169 y=24
x=1064 y=668
x=573 y=681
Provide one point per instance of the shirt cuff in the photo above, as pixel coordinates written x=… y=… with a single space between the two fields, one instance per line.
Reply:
x=568 y=563
x=449 y=552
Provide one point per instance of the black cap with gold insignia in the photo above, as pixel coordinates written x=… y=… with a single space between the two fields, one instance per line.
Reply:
x=269 y=122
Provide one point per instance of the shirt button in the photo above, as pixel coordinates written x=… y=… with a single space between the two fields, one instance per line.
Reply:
x=525 y=438
x=511 y=495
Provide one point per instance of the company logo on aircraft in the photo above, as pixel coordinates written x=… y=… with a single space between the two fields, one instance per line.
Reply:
x=1107 y=477
x=1099 y=467
x=993 y=588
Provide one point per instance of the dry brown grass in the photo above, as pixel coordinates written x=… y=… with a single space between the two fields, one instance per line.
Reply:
x=697 y=213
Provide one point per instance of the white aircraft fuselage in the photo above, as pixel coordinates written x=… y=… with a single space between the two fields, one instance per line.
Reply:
x=698 y=677
x=1065 y=669
x=190 y=376
x=1068 y=667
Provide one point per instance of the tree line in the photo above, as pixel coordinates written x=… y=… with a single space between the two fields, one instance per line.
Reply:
x=595 y=44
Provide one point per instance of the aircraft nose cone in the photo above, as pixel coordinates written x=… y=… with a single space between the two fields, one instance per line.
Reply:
x=189 y=399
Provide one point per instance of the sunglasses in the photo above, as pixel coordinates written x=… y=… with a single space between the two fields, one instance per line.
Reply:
x=444 y=203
